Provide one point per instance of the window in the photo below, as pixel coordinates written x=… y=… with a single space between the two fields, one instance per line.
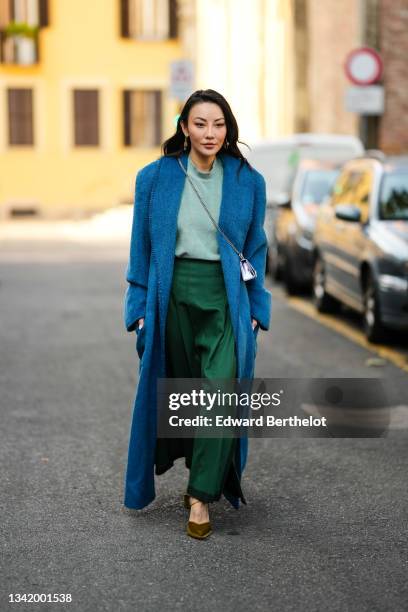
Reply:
x=394 y=196
x=86 y=117
x=19 y=24
x=362 y=194
x=43 y=14
x=32 y=12
x=317 y=185
x=149 y=19
x=20 y=116
x=142 y=118
x=354 y=187
x=344 y=188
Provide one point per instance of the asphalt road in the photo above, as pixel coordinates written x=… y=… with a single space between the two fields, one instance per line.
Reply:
x=325 y=527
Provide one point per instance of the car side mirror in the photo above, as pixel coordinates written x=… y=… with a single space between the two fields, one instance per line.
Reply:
x=348 y=212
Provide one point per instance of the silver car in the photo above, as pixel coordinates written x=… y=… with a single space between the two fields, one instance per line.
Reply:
x=361 y=245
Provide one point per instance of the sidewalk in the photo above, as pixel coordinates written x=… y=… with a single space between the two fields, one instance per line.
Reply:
x=112 y=225
x=103 y=237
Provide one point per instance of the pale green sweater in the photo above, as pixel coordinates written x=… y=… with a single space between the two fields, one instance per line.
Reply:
x=196 y=234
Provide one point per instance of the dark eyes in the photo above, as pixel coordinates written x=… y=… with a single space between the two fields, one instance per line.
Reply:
x=217 y=125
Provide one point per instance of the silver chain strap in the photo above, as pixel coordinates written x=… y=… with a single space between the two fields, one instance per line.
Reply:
x=208 y=212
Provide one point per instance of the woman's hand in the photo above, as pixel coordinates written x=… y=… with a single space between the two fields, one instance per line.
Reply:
x=254 y=323
x=140 y=323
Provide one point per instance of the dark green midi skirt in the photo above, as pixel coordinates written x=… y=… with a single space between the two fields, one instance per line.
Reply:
x=200 y=344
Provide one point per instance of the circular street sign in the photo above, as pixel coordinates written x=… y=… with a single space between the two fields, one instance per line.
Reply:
x=363 y=66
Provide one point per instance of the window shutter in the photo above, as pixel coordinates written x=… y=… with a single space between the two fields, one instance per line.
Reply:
x=126 y=117
x=86 y=117
x=20 y=114
x=173 y=21
x=5 y=13
x=2 y=44
x=43 y=13
x=124 y=18
x=157 y=117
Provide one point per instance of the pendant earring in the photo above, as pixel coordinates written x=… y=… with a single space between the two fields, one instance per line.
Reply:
x=185 y=143
x=226 y=144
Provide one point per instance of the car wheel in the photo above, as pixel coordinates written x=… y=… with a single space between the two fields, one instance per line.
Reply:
x=373 y=327
x=323 y=301
x=291 y=285
x=273 y=263
x=277 y=272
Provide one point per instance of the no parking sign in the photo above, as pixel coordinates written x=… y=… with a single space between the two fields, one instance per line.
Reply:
x=364 y=68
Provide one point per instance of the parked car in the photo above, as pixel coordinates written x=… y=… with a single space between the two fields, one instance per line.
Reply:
x=278 y=160
x=361 y=245
x=295 y=221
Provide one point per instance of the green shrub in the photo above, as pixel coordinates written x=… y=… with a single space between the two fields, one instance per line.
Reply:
x=20 y=29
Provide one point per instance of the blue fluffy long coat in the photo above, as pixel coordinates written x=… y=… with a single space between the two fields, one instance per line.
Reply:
x=158 y=191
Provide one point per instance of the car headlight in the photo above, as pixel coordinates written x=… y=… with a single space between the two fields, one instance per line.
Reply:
x=393 y=283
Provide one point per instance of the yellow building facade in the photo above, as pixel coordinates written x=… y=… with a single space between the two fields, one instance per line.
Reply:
x=85 y=95
x=84 y=102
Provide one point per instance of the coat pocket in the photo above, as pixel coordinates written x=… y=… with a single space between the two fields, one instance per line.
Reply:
x=140 y=340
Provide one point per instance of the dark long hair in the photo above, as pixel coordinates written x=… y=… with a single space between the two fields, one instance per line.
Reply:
x=174 y=146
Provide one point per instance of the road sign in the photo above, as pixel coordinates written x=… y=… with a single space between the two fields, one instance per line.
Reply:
x=365 y=100
x=363 y=66
x=181 y=79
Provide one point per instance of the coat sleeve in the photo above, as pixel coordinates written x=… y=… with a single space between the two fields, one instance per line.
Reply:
x=137 y=272
x=255 y=250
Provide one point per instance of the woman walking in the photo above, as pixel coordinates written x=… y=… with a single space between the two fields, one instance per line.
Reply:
x=195 y=316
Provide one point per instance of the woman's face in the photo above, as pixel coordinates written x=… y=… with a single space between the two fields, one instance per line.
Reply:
x=206 y=128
